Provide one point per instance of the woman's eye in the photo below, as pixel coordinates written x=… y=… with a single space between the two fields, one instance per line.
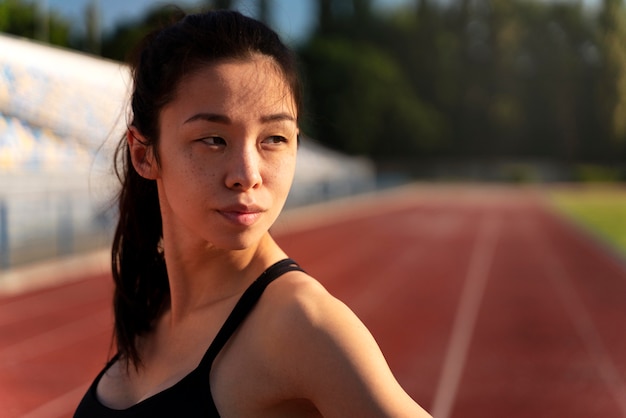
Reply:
x=276 y=139
x=213 y=140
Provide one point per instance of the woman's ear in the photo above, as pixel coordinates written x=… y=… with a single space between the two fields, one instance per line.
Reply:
x=141 y=154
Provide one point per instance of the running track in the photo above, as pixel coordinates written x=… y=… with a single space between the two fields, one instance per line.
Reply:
x=485 y=303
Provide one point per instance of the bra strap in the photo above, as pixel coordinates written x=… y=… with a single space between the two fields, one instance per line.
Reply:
x=246 y=302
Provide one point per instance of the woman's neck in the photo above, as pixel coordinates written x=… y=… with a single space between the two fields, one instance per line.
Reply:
x=203 y=276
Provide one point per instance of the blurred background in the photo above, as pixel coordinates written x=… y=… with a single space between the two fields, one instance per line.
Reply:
x=513 y=110
x=514 y=91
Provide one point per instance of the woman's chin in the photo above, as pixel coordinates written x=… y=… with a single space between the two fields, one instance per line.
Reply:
x=236 y=242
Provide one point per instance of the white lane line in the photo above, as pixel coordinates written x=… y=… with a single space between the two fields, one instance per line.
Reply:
x=581 y=319
x=465 y=320
x=57 y=338
x=62 y=406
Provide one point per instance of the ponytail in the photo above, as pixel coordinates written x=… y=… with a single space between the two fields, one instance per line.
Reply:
x=141 y=285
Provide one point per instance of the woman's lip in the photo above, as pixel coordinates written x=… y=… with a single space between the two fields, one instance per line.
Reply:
x=243 y=218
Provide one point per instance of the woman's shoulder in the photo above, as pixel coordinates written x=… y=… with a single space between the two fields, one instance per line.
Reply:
x=296 y=309
x=324 y=352
x=300 y=311
x=299 y=303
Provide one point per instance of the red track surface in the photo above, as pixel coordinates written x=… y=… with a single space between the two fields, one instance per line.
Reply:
x=485 y=303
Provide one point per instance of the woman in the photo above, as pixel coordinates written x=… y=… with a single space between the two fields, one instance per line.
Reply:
x=209 y=159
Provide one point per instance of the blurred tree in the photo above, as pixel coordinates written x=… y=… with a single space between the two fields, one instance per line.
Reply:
x=361 y=102
x=362 y=9
x=219 y=4
x=265 y=11
x=467 y=96
x=93 y=33
x=504 y=113
x=557 y=81
x=612 y=85
x=42 y=24
x=324 y=15
x=23 y=18
x=460 y=78
x=127 y=35
x=419 y=39
x=506 y=77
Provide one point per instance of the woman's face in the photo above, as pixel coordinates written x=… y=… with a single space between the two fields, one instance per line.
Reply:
x=227 y=154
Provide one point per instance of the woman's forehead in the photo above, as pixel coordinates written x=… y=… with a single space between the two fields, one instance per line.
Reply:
x=239 y=72
x=254 y=85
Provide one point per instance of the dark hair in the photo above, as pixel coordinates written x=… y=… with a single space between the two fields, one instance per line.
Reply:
x=162 y=60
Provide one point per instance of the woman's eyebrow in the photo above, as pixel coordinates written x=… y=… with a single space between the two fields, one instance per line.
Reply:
x=223 y=119
x=210 y=117
x=278 y=117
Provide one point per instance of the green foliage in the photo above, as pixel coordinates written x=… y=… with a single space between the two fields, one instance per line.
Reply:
x=612 y=85
x=119 y=44
x=473 y=79
x=23 y=18
x=497 y=78
x=362 y=103
x=17 y=18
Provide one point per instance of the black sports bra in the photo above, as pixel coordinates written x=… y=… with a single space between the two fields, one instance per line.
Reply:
x=191 y=396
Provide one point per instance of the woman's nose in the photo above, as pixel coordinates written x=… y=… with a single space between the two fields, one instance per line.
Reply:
x=244 y=170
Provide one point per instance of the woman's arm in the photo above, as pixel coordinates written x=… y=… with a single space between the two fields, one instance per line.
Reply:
x=330 y=357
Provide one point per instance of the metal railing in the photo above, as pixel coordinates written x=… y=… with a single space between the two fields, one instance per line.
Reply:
x=41 y=225
x=37 y=225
